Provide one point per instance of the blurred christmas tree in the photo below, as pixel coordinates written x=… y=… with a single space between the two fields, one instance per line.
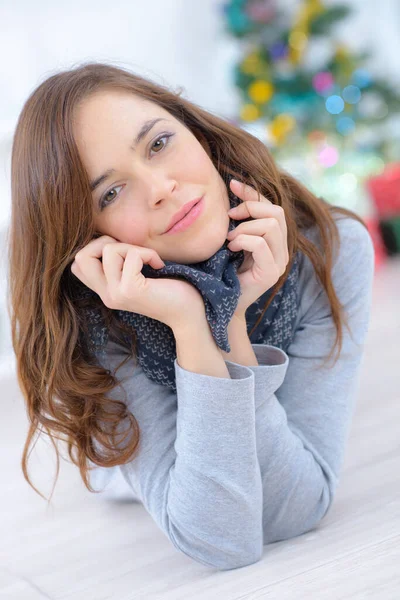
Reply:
x=312 y=99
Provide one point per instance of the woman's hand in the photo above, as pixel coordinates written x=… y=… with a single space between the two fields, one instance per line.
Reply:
x=264 y=242
x=113 y=270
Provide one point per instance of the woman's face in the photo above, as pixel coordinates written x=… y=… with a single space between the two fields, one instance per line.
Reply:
x=151 y=179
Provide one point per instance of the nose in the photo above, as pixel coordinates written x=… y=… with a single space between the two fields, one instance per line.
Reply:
x=156 y=187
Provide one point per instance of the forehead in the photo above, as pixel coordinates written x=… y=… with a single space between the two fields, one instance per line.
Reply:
x=113 y=109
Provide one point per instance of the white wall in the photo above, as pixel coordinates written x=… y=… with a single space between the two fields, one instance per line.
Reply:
x=173 y=40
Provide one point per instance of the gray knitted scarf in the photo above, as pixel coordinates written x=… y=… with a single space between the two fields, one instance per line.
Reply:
x=217 y=281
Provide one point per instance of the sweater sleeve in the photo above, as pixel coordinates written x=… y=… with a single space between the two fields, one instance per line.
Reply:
x=196 y=470
x=302 y=427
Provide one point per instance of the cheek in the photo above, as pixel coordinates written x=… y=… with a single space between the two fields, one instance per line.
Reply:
x=130 y=230
x=195 y=164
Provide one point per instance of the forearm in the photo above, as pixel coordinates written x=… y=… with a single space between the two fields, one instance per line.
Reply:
x=197 y=351
x=241 y=352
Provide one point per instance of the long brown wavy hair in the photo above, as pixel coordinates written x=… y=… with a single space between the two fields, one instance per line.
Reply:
x=64 y=388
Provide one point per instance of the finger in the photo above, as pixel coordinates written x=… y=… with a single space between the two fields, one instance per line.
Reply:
x=262 y=256
x=95 y=247
x=134 y=260
x=248 y=192
x=253 y=207
x=273 y=240
x=258 y=210
x=262 y=226
x=90 y=271
x=256 y=227
x=89 y=268
x=243 y=190
x=113 y=263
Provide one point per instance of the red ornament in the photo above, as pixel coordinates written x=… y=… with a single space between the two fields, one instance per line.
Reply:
x=385 y=191
x=379 y=247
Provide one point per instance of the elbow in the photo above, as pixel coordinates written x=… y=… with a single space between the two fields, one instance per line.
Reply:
x=223 y=561
x=227 y=562
x=286 y=531
x=295 y=531
x=223 y=555
x=221 y=535
x=297 y=520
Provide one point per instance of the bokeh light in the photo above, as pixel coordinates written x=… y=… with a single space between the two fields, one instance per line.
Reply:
x=351 y=94
x=278 y=50
x=328 y=156
x=361 y=78
x=298 y=40
x=334 y=104
x=345 y=125
x=323 y=82
x=261 y=91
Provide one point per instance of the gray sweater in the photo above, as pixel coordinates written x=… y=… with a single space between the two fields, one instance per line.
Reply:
x=226 y=466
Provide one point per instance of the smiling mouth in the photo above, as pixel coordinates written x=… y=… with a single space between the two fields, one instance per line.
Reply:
x=188 y=219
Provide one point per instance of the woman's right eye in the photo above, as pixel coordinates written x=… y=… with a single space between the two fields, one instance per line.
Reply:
x=104 y=197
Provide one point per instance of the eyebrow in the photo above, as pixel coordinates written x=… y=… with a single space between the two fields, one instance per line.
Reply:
x=144 y=130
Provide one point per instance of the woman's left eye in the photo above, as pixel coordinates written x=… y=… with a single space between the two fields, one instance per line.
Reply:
x=162 y=137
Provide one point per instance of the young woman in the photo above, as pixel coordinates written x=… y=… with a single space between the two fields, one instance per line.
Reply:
x=193 y=360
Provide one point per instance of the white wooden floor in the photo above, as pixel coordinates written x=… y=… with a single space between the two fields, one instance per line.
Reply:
x=85 y=547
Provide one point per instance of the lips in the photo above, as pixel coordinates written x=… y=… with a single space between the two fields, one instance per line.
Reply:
x=182 y=212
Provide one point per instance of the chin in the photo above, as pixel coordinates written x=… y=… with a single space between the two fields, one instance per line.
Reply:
x=195 y=255
x=209 y=249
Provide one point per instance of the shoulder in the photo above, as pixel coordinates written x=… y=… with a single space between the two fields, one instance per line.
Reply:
x=352 y=269
x=353 y=235
x=354 y=257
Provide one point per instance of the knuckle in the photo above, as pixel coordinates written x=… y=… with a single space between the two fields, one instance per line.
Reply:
x=123 y=291
x=108 y=244
x=274 y=222
x=111 y=301
x=109 y=241
x=108 y=249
